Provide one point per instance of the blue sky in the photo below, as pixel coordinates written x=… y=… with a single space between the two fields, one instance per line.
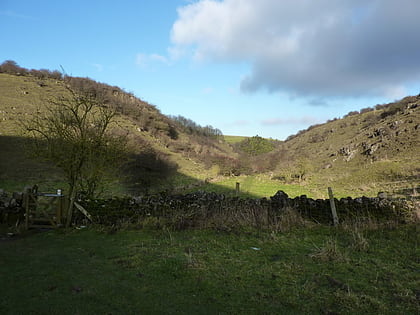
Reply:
x=247 y=67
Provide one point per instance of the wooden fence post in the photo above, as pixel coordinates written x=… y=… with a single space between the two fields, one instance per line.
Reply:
x=26 y=205
x=237 y=189
x=332 y=204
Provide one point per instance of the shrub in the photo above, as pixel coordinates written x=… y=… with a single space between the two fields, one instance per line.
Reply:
x=289 y=219
x=366 y=110
x=352 y=113
x=329 y=252
x=359 y=243
x=11 y=67
x=193 y=128
x=256 y=145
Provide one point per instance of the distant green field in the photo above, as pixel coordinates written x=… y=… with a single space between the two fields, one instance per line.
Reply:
x=234 y=139
x=255 y=186
x=259 y=186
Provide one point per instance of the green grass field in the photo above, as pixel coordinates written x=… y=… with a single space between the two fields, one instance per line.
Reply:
x=234 y=139
x=255 y=187
x=259 y=186
x=312 y=270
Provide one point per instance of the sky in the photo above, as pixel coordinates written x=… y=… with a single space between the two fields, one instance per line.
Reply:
x=247 y=67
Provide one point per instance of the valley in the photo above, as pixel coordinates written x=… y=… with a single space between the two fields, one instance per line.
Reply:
x=376 y=149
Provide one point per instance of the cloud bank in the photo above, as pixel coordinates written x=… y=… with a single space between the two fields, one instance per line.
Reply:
x=311 y=48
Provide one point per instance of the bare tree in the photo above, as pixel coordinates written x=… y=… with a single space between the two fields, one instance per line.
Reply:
x=74 y=134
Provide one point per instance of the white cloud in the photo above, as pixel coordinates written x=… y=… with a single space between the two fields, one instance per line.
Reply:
x=146 y=60
x=396 y=92
x=176 y=52
x=158 y=58
x=305 y=120
x=307 y=48
x=141 y=60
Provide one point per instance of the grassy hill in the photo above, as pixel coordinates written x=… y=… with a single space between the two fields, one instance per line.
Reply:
x=378 y=148
x=163 y=154
x=374 y=150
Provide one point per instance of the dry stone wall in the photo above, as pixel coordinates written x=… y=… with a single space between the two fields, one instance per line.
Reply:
x=202 y=209
x=10 y=207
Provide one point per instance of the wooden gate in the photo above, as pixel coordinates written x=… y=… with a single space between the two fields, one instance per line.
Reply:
x=43 y=210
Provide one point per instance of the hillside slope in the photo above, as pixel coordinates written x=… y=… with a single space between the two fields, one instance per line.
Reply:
x=377 y=148
x=163 y=154
x=363 y=153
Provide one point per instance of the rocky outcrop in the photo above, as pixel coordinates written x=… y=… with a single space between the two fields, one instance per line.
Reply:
x=369 y=149
x=348 y=152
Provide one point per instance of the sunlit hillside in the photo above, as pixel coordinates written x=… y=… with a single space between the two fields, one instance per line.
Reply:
x=362 y=153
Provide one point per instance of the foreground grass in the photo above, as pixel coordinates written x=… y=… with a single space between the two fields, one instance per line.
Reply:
x=317 y=270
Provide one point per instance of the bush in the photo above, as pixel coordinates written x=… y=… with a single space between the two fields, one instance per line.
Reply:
x=366 y=110
x=352 y=113
x=256 y=146
x=393 y=109
x=11 y=67
x=193 y=128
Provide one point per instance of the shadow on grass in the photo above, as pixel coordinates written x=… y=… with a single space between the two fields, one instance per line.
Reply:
x=18 y=169
x=144 y=173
